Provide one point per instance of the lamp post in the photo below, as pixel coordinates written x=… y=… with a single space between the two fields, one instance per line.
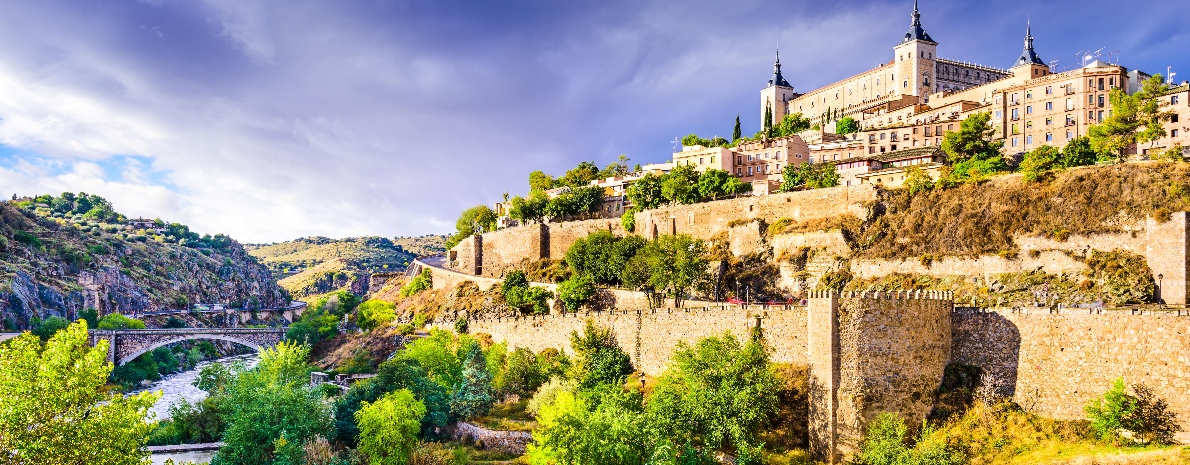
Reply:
x=1160 y=289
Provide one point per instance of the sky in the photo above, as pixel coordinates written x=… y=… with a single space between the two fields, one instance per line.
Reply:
x=273 y=120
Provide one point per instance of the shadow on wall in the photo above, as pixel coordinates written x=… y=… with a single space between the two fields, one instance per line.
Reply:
x=992 y=342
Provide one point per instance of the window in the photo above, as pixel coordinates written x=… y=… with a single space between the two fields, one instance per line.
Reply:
x=1090 y=115
x=777 y=155
x=906 y=84
x=1049 y=105
x=1111 y=82
x=1029 y=110
x=1100 y=115
x=1173 y=100
x=1090 y=100
x=1015 y=129
x=1015 y=115
x=1028 y=94
x=1028 y=124
x=1100 y=83
x=1049 y=90
x=700 y=160
x=1174 y=133
x=712 y=159
x=749 y=157
x=1174 y=118
x=997 y=114
x=1014 y=142
x=950 y=127
x=1029 y=140
x=739 y=160
x=739 y=171
x=749 y=171
x=882 y=136
x=1069 y=134
x=1069 y=104
x=1049 y=121
x=1049 y=137
x=1101 y=100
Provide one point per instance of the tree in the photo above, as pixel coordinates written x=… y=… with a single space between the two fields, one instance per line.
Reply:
x=473 y=396
x=714 y=183
x=388 y=427
x=916 y=180
x=1134 y=119
x=478 y=217
x=50 y=326
x=790 y=125
x=725 y=404
x=531 y=209
x=54 y=407
x=608 y=428
x=580 y=176
x=600 y=361
x=118 y=321
x=540 y=182
x=767 y=124
x=576 y=292
x=824 y=175
x=1039 y=163
x=736 y=187
x=646 y=193
x=374 y=313
x=602 y=256
x=972 y=152
x=736 y=133
x=628 y=220
x=693 y=139
x=439 y=356
x=1079 y=152
x=271 y=403
x=1108 y=413
x=523 y=374
x=847 y=125
x=681 y=185
x=618 y=168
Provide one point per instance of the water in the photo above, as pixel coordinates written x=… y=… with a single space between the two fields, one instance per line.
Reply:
x=178 y=385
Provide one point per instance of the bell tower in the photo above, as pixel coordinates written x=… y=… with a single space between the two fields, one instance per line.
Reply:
x=1029 y=65
x=915 y=56
x=776 y=95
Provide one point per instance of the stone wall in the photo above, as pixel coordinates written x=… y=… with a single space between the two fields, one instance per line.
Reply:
x=1050 y=261
x=708 y=219
x=562 y=235
x=508 y=247
x=1053 y=363
x=650 y=336
x=513 y=442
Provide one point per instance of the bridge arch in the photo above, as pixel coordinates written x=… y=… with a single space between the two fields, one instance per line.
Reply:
x=124 y=345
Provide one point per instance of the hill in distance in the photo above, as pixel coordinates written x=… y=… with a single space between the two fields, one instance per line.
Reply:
x=317 y=265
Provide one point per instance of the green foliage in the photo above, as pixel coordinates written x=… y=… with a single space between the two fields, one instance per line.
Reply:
x=395 y=374
x=517 y=294
x=579 y=176
x=628 y=220
x=531 y=209
x=539 y=182
x=473 y=395
x=438 y=355
x=1039 y=163
x=846 y=125
x=790 y=125
x=1079 y=152
x=695 y=140
x=736 y=133
x=314 y=327
x=917 y=180
x=375 y=313
x=576 y=201
x=55 y=409
x=479 y=216
x=600 y=360
x=91 y=316
x=725 y=404
x=1126 y=276
x=973 y=152
x=1151 y=420
x=49 y=326
x=670 y=265
x=522 y=373
x=576 y=292
x=174 y=322
x=419 y=283
x=810 y=175
x=647 y=192
x=603 y=256
x=271 y=402
x=461 y=325
x=388 y=427
x=118 y=321
x=190 y=423
x=27 y=238
x=1134 y=119
x=885 y=444
x=1109 y=413
x=681 y=185
x=609 y=430
x=166 y=361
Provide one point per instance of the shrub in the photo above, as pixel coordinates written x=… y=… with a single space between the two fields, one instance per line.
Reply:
x=174 y=322
x=313 y=327
x=522 y=374
x=388 y=427
x=576 y=292
x=628 y=220
x=1152 y=420
x=461 y=325
x=27 y=238
x=1109 y=412
x=418 y=283
x=473 y=396
x=118 y=321
x=375 y=313
x=547 y=392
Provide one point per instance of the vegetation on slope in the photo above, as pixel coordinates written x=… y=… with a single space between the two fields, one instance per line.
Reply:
x=368 y=253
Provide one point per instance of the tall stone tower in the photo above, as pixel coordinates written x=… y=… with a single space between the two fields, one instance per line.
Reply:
x=776 y=95
x=915 y=56
x=1029 y=65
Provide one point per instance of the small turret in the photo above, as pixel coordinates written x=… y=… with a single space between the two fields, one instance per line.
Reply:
x=915 y=30
x=777 y=79
x=1028 y=57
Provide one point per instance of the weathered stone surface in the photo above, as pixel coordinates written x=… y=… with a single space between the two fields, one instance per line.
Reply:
x=513 y=442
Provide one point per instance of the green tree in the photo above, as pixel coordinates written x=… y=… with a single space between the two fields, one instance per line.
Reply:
x=421 y=282
x=681 y=185
x=1109 y=413
x=972 y=152
x=736 y=133
x=523 y=374
x=671 y=265
x=602 y=256
x=1134 y=119
x=646 y=193
x=790 y=125
x=725 y=404
x=714 y=183
x=1079 y=152
x=1039 y=163
x=916 y=180
x=736 y=187
x=438 y=355
x=767 y=124
x=540 y=182
x=576 y=431
x=388 y=427
x=847 y=125
x=628 y=220
x=271 y=402
x=118 y=321
x=693 y=139
x=600 y=360
x=580 y=176
x=576 y=292
x=473 y=396
x=375 y=313
x=54 y=407
x=478 y=217
x=50 y=326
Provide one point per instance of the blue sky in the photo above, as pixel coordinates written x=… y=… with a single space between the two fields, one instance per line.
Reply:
x=272 y=120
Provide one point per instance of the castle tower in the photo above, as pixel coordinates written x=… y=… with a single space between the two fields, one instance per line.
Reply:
x=1029 y=65
x=776 y=95
x=915 y=56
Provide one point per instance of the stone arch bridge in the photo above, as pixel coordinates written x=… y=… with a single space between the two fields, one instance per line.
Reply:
x=124 y=345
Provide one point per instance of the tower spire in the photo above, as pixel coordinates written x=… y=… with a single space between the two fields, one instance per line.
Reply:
x=1028 y=56
x=777 y=79
x=916 y=32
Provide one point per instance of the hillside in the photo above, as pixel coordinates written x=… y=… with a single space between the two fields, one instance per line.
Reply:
x=55 y=261
x=329 y=276
x=365 y=254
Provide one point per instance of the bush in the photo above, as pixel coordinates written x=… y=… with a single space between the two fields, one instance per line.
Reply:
x=388 y=427
x=118 y=321
x=418 y=283
x=473 y=396
x=174 y=322
x=461 y=325
x=576 y=292
x=1144 y=414
x=546 y=394
x=628 y=220
x=49 y=326
x=27 y=238
x=313 y=327
x=522 y=374
x=1108 y=413
x=375 y=313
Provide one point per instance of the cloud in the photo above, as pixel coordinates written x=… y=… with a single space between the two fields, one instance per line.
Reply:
x=274 y=120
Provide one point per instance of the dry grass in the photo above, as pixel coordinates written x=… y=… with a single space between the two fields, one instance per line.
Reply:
x=1154 y=457
x=982 y=218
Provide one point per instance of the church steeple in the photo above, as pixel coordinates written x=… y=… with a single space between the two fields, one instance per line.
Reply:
x=777 y=79
x=916 y=32
x=1028 y=56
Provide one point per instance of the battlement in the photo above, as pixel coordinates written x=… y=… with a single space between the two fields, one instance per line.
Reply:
x=915 y=294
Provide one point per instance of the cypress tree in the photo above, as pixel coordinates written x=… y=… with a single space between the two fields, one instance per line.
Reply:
x=736 y=133
x=768 y=119
x=473 y=396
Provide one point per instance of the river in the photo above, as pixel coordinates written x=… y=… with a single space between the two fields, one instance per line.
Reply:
x=178 y=386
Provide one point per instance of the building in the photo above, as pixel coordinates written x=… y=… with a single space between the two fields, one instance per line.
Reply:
x=1177 y=100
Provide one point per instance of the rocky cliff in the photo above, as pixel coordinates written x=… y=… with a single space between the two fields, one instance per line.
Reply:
x=54 y=266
